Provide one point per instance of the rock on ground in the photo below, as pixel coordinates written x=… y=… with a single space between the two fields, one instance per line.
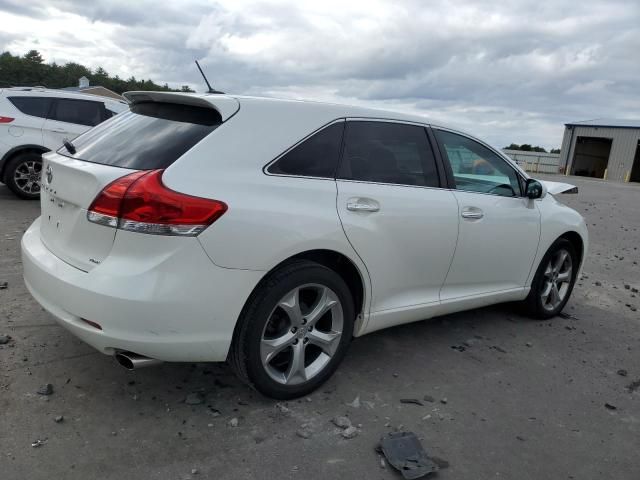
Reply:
x=341 y=422
x=349 y=432
x=46 y=389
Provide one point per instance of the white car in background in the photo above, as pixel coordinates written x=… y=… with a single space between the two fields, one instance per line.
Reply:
x=36 y=120
x=268 y=233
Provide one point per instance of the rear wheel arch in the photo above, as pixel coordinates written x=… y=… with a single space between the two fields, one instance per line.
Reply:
x=245 y=355
x=15 y=151
x=338 y=262
x=343 y=266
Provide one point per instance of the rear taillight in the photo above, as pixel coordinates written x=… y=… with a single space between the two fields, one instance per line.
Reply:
x=6 y=119
x=140 y=202
x=105 y=208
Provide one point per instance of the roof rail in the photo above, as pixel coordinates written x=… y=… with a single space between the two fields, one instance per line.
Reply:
x=26 y=89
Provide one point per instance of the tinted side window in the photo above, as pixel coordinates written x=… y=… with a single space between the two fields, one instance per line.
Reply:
x=81 y=112
x=388 y=153
x=35 y=106
x=317 y=156
x=476 y=168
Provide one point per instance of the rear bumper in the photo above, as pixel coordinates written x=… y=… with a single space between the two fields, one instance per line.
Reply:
x=156 y=296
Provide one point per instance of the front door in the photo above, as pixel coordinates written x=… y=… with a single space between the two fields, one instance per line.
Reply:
x=499 y=227
x=396 y=216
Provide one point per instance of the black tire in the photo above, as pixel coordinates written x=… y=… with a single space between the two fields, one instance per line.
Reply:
x=533 y=305
x=23 y=161
x=245 y=353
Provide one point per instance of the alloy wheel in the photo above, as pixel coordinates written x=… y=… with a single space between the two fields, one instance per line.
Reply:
x=302 y=334
x=557 y=280
x=27 y=176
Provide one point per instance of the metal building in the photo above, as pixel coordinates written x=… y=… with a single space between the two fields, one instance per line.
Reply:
x=535 y=162
x=607 y=149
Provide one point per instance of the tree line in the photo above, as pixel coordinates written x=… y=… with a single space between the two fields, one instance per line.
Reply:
x=30 y=70
x=525 y=147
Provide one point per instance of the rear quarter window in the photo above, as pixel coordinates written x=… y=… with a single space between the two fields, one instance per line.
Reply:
x=317 y=156
x=150 y=135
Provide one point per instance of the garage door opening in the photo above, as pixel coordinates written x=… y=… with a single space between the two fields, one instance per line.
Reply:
x=591 y=156
x=635 y=171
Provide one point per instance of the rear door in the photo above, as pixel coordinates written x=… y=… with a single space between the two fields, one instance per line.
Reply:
x=69 y=118
x=150 y=136
x=394 y=213
x=499 y=227
x=26 y=128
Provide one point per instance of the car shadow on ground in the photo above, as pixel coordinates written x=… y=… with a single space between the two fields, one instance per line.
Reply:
x=392 y=350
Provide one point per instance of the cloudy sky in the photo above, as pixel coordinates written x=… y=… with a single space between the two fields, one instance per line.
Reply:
x=505 y=70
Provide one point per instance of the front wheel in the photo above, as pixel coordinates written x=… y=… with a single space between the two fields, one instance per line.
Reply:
x=294 y=330
x=554 y=281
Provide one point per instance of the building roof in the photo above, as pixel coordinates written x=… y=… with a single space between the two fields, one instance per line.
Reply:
x=95 y=90
x=98 y=90
x=529 y=153
x=606 y=123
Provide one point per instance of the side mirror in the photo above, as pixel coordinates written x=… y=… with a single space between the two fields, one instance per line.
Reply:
x=534 y=189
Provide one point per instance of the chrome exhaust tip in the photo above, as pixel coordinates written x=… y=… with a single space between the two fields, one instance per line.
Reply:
x=133 y=361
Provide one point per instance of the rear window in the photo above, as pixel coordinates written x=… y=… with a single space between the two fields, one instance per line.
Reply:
x=151 y=135
x=35 y=106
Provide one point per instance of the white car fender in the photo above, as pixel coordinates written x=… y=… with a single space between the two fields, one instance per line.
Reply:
x=557 y=219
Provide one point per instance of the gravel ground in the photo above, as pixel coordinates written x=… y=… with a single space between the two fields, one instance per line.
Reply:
x=515 y=398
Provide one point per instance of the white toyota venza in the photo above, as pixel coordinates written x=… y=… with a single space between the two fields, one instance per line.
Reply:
x=269 y=233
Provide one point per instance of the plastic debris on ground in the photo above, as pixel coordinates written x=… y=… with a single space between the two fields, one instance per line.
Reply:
x=404 y=452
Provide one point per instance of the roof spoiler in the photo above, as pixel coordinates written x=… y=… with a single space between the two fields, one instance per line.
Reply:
x=224 y=105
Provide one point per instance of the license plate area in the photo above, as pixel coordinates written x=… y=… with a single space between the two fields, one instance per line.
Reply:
x=68 y=188
x=57 y=215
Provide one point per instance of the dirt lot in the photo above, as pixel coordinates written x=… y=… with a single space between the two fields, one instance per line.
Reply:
x=520 y=400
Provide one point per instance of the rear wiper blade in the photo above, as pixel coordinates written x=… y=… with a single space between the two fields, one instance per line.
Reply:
x=69 y=146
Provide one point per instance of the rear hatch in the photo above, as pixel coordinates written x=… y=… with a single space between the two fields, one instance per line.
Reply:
x=158 y=129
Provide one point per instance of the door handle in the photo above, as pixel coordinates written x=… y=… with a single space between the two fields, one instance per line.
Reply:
x=472 y=213
x=362 y=205
x=59 y=130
